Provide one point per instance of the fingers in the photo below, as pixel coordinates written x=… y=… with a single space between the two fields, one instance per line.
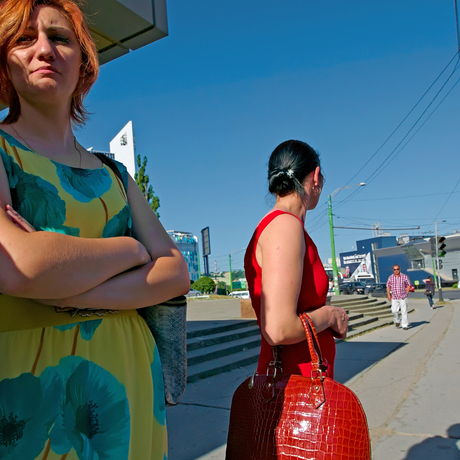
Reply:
x=18 y=220
x=341 y=324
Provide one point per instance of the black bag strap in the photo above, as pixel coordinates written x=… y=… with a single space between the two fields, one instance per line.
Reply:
x=110 y=163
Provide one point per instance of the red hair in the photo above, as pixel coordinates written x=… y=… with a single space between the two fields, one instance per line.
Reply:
x=14 y=17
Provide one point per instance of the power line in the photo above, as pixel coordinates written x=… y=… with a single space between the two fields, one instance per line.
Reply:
x=380 y=229
x=445 y=202
x=380 y=168
x=389 y=158
x=456 y=24
x=404 y=119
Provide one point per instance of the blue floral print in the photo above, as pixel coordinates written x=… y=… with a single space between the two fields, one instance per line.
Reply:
x=118 y=224
x=94 y=419
x=28 y=409
x=36 y=200
x=87 y=328
x=83 y=184
x=159 y=404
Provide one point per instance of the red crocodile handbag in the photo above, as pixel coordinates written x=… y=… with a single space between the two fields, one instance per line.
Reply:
x=293 y=417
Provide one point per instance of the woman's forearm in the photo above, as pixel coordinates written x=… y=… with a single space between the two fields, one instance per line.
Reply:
x=52 y=265
x=150 y=284
x=288 y=329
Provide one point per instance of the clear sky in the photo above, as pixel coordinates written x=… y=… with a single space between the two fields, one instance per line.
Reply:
x=235 y=78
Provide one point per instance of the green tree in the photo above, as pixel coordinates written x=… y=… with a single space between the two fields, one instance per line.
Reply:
x=142 y=180
x=221 y=288
x=236 y=274
x=204 y=284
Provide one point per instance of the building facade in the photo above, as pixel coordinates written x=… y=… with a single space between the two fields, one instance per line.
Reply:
x=188 y=246
x=415 y=255
x=363 y=260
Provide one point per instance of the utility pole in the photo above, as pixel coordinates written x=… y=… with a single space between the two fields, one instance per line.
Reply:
x=335 y=273
x=230 y=265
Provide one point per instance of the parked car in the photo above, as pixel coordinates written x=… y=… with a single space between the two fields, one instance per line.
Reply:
x=353 y=287
x=377 y=290
x=240 y=294
x=193 y=293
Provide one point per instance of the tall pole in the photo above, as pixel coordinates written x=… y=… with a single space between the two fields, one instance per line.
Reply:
x=230 y=265
x=441 y=299
x=335 y=274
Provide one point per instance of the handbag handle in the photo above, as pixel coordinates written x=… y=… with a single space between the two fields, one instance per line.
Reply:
x=318 y=365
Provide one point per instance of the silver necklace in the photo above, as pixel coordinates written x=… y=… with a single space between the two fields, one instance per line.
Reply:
x=74 y=143
x=78 y=150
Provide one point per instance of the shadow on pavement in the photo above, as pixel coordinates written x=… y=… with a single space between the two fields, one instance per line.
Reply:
x=437 y=447
x=354 y=357
x=418 y=323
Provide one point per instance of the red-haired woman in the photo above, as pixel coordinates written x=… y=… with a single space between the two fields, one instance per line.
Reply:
x=80 y=376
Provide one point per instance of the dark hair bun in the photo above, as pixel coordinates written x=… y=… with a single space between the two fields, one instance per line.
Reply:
x=281 y=182
x=289 y=165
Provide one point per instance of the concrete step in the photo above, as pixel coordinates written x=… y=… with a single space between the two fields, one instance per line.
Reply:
x=382 y=309
x=351 y=300
x=216 y=329
x=355 y=316
x=222 y=349
x=369 y=327
x=211 y=337
x=223 y=364
x=370 y=304
x=365 y=320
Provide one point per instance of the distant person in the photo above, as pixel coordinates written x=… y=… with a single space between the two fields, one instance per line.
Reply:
x=80 y=373
x=429 y=291
x=398 y=286
x=284 y=272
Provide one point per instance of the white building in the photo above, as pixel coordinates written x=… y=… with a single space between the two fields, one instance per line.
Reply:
x=123 y=147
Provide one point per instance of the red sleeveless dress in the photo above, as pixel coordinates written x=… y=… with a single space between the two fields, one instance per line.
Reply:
x=315 y=284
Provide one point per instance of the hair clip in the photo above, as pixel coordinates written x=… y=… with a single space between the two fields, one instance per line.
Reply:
x=290 y=173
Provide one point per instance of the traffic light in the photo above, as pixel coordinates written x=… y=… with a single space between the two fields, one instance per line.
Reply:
x=441 y=247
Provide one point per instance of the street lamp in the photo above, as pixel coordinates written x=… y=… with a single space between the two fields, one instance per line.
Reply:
x=335 y=274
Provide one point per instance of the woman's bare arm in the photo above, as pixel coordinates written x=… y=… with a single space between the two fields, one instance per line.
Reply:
x=47 y=264
x=281 y=259
x=162 y=279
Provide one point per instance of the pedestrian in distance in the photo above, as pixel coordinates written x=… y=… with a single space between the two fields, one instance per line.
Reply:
x=398 y=287
x=429 y=291
x=284 y=272
x=80 y=373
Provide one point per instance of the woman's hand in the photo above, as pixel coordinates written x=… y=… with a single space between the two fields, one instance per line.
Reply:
x=18 y=220
x=328 y=316
x=339 y=322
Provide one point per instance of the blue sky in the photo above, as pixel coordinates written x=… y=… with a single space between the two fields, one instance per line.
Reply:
x=233 y=79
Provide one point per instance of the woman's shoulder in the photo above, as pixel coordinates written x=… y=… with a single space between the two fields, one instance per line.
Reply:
x=280 y=226
x=279 y=217
x=7 y=140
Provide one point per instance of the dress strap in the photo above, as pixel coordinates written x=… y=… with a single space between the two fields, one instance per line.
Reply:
x=268 y=218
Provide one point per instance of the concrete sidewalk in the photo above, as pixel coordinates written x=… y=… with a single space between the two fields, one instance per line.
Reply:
x=407 y=381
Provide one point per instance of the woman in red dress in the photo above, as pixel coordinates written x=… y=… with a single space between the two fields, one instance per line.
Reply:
x=284 y=272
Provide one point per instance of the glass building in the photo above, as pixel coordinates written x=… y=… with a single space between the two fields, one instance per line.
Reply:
x=188 y=246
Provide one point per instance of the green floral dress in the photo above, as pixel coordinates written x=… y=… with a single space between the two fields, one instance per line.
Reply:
x=75 y=387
